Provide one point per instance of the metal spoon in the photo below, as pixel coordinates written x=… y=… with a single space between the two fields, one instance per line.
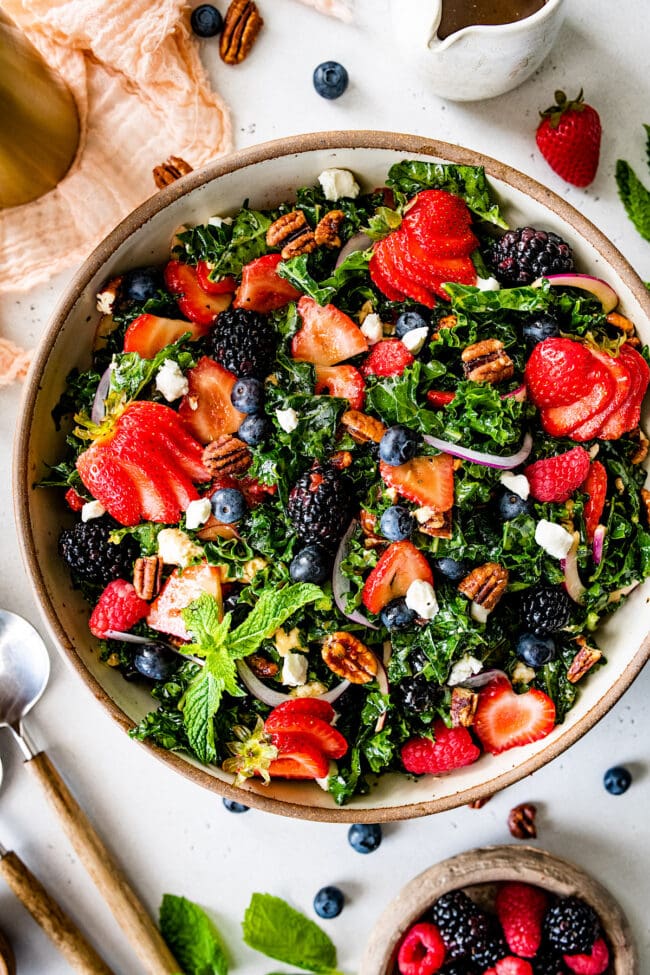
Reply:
x=24 y=671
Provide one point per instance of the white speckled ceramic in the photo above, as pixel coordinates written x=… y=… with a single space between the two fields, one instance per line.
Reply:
x=476 y=62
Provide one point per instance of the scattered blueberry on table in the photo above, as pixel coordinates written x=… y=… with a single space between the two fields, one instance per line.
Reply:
x=617 y=780
x=328 y=902
x=330 y=79
x=235 y=807
x=206 y=21
x=364 y=837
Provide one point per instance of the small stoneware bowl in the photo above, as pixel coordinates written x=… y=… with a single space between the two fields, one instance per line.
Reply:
x=478 y=872
x=479 y=61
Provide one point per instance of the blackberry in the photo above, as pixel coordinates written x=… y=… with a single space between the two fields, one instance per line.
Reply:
x=457 y=968
x=86 y=549
x=418 y=694
x=571 y=927
x=521 y=256
x=548 y=962
x=320 y=506
x=244 y=342
x=492 y=948
x=545 y=609
x=462 y=924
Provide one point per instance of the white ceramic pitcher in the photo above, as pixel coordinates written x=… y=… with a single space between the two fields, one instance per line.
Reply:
x=479 y=61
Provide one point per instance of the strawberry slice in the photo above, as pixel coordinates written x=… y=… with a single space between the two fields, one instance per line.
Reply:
x=206 y=410
x=559 y=421
x=153 y=481
x=433 y=270
x=343 y=381
x=399 y=272
x=108 y=482
x=313 y=706
x=298 y=758
x=595 y=486
x=73 y=500
x=148 y=334
x=440 y=222
x=452 y=748
x=559 y=371
x=390 y=357
x=457 y=270
x=199 y=305
x=622 y=383
x=262 y=288
x=627 y=418
x=507 y=720
x=428 y=481
x=399 y=565
x=321 y=734
x=327 y=335
x=380 y=278
x=439 y=397
x=181 y=589
x=157 y=427
x=222 y=286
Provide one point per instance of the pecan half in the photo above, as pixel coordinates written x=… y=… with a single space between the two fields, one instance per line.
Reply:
x=368 y=524
x=227 y=455
x=438 y=524
x=341 y=459
x=361 y=427
x=479 y=803
x=147 y=574
x=262 y=666
x=463 y=707
x=621 y=323
x=241 y=26
x=447 y=321
x=105 y=299
x=292 y=234
x=583 y=661
x=168 y=172
x=487 y=362
x=521 y=821
x=641 y=452
x=351 y=659
x=645 y=501
x=327 y=229
x=485 y=584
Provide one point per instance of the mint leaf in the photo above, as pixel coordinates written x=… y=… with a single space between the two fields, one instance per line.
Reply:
x=635 y=197
x=192 y=937
x=276 y=929
x=199 y=705
x=268 y=614
x=202 y=620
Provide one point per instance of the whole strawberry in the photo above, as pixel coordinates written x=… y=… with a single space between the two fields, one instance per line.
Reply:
x=569 y=139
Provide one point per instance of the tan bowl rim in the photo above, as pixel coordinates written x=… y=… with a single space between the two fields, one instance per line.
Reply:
x=488 y=865
x=295 y=145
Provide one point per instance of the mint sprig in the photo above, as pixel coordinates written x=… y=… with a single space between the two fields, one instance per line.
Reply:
x=192 y=937
x=221 y=648
x=276 y=929
x=634 y=195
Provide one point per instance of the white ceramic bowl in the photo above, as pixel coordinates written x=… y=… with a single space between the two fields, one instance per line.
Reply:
x=266 y=175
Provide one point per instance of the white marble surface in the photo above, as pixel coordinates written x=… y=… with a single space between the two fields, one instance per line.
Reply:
x=168 y=833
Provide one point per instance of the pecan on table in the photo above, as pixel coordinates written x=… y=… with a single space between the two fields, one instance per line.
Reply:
x=351 y=659
x=361 y=427
x=487 y=362
x=241 y=26
x=521 y=821
x=147 y=575
x=292 y=234
x=227 y=455
x=485 y=584
x=168 y=172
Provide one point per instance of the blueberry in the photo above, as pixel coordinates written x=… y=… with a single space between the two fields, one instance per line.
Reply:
x=511 y=505
x=397 y=523
x=398 y=445
x=396 y=615
x=364 y=837
x=544 y=327
x=254 y=430
x=452 y=569
x=409 y=320
x=141 y=284
x=535 y=651
x=310 y=564
x=617 y=780
x=155 y=661
x=328 y=902
x=247 y=395
x=206 y=20
x=330 y=79
x=235 y=807
x=228 y=505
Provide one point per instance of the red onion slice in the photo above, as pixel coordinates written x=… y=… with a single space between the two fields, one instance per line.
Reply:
x=485 y=677
x=572 y=581
x=585 y=282
x=597 y=544
x=359 y=242
x=98 y=410
x=519 y=394
x=384 y=687
x=341 y=585
x=268 y=696
x=477 y=457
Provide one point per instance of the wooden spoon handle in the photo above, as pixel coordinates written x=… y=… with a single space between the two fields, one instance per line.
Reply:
x=144 y=936
x=55 y=922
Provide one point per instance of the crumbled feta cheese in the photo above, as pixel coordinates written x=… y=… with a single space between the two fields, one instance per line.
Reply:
x=313 y=688
x=373 y=328
x=294 y=669
x=170 y=381
x=415 y=339
x=177 y=548
x=250 y=569
x=523 y=674
x=422 y=515
x=332 y=771
x=517 y=483
x=288 y=419
x=217 y=221
x=337 y=183
x=463 y=669
x=197 y=513
x=105 y=298
x=284 y=642
x=553 y=538
x=421 y=598
x=92 y=509
x=488 y=284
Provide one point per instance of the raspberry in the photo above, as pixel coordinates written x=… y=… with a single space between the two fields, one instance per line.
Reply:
x=512 y=966
x=453 y=748
x=422 y=951
x=594 y=963
x=521 y=909
x=556 y=478
x=387 y=358
x=119 y=608
x=74 y=501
